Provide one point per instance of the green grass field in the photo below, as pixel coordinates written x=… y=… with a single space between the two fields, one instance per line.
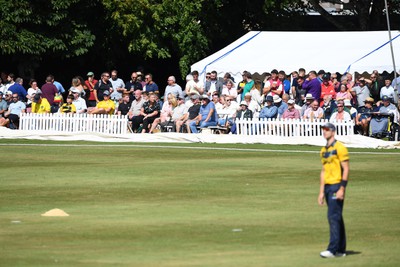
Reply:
x=174 y=206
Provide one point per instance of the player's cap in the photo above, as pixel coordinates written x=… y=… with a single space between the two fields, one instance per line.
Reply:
x=329 y=126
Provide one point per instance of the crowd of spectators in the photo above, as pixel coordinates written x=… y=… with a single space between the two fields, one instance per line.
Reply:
x=214 y=102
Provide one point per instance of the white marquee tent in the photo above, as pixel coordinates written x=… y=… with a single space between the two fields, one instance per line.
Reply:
x=331 y=51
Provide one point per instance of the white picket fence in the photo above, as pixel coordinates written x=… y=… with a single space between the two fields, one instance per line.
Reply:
x=289 y=127
x=74 y=123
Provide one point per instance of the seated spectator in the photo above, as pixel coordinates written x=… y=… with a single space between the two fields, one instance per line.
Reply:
x=40 y=105
x=191 y=115
x=106 y=106
x=150 y=111
x=282 y=106
x=387 y=107
x=252 y=105
x=179 y=111
x=14 y=112
x=229 y=91
x=291 y=112
x=340 y=115
x=68 y=107
x=349 y=108
x=269 y=111
x=314 y=111
x=328 y=106
x=166 y=111
x=241 y=114
x=134 y=113
x=228 y=112
x=3 y=105
x=124 y=106
x=308 y=100
x=207 y=115
x=79 y=102
x=380 y=121
x=364 y=115
x=344 y=93
x=388 y=90
x=56 y=104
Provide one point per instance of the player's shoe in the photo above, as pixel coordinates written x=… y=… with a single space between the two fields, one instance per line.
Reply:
x=327 y=254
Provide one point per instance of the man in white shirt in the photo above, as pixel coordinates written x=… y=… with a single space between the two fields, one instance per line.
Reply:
x=79 y=102
x=388 y=90
x=118 y=85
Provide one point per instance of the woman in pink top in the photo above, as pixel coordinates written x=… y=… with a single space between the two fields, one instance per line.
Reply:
x=344 y=93
x=166 y=111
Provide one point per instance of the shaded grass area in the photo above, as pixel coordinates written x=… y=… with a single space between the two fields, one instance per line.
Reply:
x=133 y=206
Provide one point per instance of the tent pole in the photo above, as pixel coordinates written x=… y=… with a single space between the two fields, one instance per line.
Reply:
x=396 y=96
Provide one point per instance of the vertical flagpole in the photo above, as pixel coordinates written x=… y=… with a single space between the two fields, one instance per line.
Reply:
x=396 y=96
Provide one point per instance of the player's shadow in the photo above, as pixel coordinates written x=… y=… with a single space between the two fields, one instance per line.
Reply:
x=352 y=252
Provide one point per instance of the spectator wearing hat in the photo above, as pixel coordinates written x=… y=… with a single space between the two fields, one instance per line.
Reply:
x=191 y=114
x=207 y=116
x=340 y=115
x=364 y=115
x=101 y=86
x=360 y=92
x=281 y=105
x=150 y=111
x=314 y=111
x=118 y=86
x=269 y=111
x=40 y=104
x=134 y=113
x=244 y=113
x=348 y=107
x=68 y=107
x=307 y=103
x=49 y=90
x=172 y=88
x=291 y=112
x=106 y=106
x=386 y=106
x=213 y=84
x=14 y=112
x=273 y=85
x=388 y=90
x=132 y=86
x=89 y=89
x=78 y=101
x=8 y=97
x=312 y=85
x=327 y=88
x=3 y=105
x=17 y=88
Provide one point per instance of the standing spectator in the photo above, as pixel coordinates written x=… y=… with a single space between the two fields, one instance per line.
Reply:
x=40 y=104
x=190 y=87
x=3 y=105
x=285 y=82
x=132 y=86
x=32 y=91
x=17 y=88
x=291 y=112
x=249 y=83
x=340 y=115
x=240 y=87
x=101 y=86
x=3 y=87
x=118 y=86
x=207 y=115
x=396 y=82
x=124 y=106
x=78 y=101
x=68 y=107
x=314 y=111
x=374 y=86
x=199 y=85
x=327 y=88
x=151 y=86
x=150 y=111
x=59 y=86
x=360 y=92
x=89 y=89
x=213 y=85
x=299 y=92
x=49 y=90
x=10 y=81
x=270 y=111
x=106 y=106
x=312 y=85
x=349 y=79
x=321 y=73
x=273 y=86
x=77 y=84
x=388 y=90
x=335 y=82
x=172 y=88
x=14 y=112
x=140 y=79
x=134 y=113
x=255 y=95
